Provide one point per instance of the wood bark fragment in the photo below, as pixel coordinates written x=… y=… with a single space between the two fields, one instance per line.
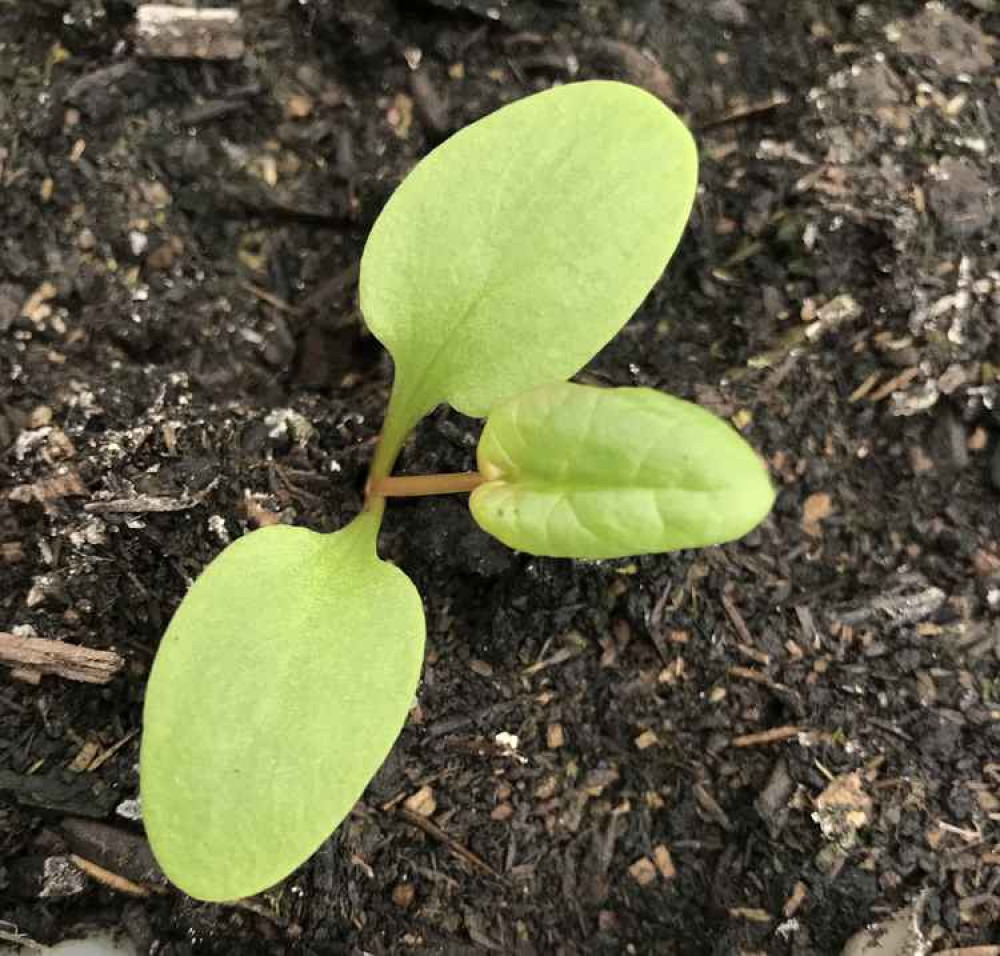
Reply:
x=71 y=661
x=164 y=31
x=767 y=736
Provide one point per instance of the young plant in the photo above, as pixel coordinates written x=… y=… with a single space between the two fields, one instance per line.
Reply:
x=501 y=265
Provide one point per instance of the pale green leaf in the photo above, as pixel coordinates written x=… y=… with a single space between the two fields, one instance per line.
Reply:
x=580 y=472
x=513 y=252
x=278 y=690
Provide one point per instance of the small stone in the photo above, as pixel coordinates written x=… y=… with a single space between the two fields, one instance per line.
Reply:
x=643 y=871
x=554 y=737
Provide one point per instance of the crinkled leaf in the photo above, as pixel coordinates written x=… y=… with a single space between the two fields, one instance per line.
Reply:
x=580 y=472
x=513 y=252
x=278 y=690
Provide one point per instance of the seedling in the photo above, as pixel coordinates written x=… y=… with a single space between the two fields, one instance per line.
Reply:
x=500 y=266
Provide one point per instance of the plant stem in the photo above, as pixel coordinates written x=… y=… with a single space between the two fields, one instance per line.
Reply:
x=404 y=411
x=414 y=486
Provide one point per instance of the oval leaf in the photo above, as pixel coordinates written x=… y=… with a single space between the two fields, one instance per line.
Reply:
x=514 y=251
x=580 y=472
x=278 y=690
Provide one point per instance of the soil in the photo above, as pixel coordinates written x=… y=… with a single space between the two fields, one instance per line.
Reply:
x=179 y=329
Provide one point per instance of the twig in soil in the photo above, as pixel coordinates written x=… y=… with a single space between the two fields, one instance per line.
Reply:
x=745 y=111
x=43 y=656
x=737 y=620
x=156 y=504
x=270 y=298
x=331 y=289
x=711 y=806
x=9 y=933
x=435 y=832
x=772 y=736
x=113 y=880
x=560 y=657
x=102 y=758
x=748 y=673
x=259 y=909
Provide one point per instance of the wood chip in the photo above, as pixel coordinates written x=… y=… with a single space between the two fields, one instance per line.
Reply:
x=402 y=895
x=85 y=756
x=56 y=657
x=67 y=485
x=647 y=739
x=795 y=901
x=422 y=802
x=11 y=552
x=643 y=871
x=864 y=388
x=481 y=668
x=816 y=508
x=165 y=31
x=502 y=812
x=554 y=736
x=35 y=307
x=751 y=914
x=895 y=384
x=773 y=736
x=664 y=862
x=104 y=757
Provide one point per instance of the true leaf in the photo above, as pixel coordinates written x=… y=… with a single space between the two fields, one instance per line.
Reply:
x=278 y=690
x=513 y=252
x=583 y=472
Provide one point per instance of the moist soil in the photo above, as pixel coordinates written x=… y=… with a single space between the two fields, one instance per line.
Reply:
x=757 y=748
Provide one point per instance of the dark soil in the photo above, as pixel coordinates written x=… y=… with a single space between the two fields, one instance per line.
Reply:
x=178 y=319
